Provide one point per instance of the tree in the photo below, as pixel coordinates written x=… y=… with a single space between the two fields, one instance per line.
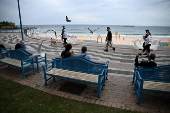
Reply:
x=6 y=24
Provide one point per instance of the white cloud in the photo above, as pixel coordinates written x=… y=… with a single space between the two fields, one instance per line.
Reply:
x=119 y=12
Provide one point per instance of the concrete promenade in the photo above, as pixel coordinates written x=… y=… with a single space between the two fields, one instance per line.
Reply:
x=118 y=91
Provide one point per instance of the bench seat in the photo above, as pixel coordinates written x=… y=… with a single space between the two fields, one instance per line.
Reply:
x=14 y=62
x=74 y=75
x=157 y=86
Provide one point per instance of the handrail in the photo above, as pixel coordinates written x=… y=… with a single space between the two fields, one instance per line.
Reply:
x=98 y=38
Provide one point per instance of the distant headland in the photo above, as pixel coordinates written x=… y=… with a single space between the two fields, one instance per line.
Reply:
x=8 y=25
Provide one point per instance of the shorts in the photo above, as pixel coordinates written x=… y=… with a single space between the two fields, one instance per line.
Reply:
x=109 y=42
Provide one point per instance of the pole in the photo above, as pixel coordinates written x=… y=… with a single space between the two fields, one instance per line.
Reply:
x=24 y=46
x=20 y=21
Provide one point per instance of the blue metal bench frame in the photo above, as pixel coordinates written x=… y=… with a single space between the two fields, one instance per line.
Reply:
x=104 y=64
x=157 y=74
x=37 y=59
x=3 y=53
x=23 y=58
x=78 y=64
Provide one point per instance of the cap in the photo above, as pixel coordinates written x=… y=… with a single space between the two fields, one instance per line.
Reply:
x=84 y=49
x=147 y=30
x=152 y=56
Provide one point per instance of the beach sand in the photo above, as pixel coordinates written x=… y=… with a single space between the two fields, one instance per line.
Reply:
x=123 y=40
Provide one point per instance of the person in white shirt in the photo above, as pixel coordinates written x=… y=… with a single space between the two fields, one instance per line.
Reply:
x=147 y=44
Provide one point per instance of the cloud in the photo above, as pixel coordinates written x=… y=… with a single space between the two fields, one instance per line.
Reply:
x=86 y=17
x=119 y=12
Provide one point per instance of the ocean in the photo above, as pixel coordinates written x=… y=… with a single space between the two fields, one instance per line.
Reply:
x=123 y=30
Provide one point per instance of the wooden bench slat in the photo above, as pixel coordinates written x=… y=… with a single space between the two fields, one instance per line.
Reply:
x=13 y=62
x=160 y=86
x=74 y=75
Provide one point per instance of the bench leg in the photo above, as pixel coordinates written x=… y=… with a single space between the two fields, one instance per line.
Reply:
x=133 y=77
x=138 y=90
x=33 y=69
x=107 y=75
x=38 y=67
x=54 y=78
x=98 y=91
x=45 y=79
x=23 y=74
x=139 y=94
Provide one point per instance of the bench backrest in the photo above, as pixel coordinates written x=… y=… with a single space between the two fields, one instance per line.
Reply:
x=18 y=54
x=4 y=50
x=157 y=74
x=79 y=64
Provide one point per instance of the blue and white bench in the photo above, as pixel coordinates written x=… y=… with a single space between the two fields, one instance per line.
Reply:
x=38 y=58
x=18 y=58
x=77 y=69
x=155 y=79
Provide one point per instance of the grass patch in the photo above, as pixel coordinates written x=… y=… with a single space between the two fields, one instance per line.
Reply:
x=17 y=98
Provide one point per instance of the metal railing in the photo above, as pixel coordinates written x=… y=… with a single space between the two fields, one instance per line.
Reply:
x=98 y=38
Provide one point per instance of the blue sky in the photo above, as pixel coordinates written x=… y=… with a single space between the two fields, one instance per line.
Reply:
x=103 y=12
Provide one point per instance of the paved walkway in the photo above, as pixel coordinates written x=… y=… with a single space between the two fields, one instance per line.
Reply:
x=118 y=91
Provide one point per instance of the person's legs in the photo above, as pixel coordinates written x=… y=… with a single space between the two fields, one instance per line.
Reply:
x=144 y=49
x=144 y=52
x=148 y=49
x=65 y=40
x=106 y=46
x=110 y=45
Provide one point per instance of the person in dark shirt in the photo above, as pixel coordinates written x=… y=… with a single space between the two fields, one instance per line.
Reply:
x=2 y=46
x=144 y=63
x=66 y=53
x=64 y=35
x=109 y=40
x=19 y=45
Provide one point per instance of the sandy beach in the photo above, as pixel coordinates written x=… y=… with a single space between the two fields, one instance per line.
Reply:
x=122 y=40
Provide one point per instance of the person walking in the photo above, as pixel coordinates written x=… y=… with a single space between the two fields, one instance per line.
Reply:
x=109 y=40
x=147 y=44
x=64 y=35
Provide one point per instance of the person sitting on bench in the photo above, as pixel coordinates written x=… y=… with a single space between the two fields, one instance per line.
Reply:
x=144 y=63
x=83 y=53
x=19 y=45
x=66 y=53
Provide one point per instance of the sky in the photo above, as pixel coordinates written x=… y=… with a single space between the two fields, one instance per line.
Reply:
x=95 y=12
